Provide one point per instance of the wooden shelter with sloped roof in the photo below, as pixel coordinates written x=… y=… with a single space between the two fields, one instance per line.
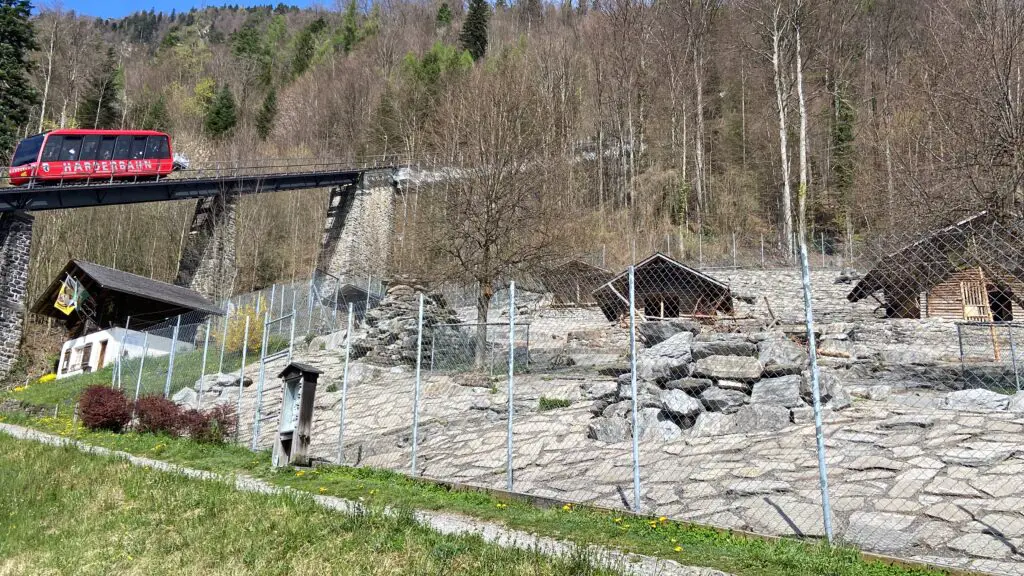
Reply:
x=971 y=270
x=112 y=296
x=573 y=283
x=665 y=288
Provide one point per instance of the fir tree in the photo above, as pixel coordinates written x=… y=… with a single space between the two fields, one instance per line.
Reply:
x=266 y=116
x=157 y=116
x=444 y=15
x=305 y=46
x=222 y=114
x=474 y=31
x=101 y=106
x=350 y=27
x=16 y=96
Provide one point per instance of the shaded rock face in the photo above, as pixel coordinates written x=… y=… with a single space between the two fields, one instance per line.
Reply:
x=692 y=383
x=392 y=327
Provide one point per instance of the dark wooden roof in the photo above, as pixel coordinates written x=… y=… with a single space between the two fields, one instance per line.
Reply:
x=660 y=273
x=299 y=367
x=118 y=294
x=994 y=244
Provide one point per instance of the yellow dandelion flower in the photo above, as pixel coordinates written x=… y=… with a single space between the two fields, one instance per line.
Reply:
x=322 y=489
x=300 y=473
x=678 y=548
x=662 y=519
x=617 y=520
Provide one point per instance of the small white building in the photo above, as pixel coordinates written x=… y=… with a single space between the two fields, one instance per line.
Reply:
x=98 y=350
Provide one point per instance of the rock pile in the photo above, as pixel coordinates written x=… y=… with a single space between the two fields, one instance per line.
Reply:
x=391 y=327
x=215 y=389
x=709 y=384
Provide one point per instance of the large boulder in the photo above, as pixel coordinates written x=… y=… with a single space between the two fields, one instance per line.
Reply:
x=748 y=420
x=599 y=390
x=720 y=400
x=828 y=384
x=784 y=391
x=691 y=385
x=608 y=429
x=701 y=350
x=218 y=381
x=1016 y=403
x=740 y=368
x=780 y=354
x=975 y=400
x=185 y=397
x=680 y=405
x=666 y=361
x=653 y=424
x=653 y=333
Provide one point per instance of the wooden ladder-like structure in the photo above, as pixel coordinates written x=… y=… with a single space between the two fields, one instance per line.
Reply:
x=977 y=307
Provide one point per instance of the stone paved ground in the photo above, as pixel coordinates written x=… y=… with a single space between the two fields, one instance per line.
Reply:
x=906 y=479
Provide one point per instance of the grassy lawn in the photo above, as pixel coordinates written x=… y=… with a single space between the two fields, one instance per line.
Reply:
x=65 y=512
x=188 y=367
x=656 y=537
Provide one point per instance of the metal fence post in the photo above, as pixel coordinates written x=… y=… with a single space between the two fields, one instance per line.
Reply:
x=223 y=343
x=170 y=365
x=416 y=392
x=366 y=307
x=291 y=332
x=1013 y=356
x=734 y=249
x=344 y=388
x=511 y=378
x=632 y=379
x=241 y=379
x=762 y=250
x=202 y=370
x=259 y=385
x=812 y=352
x=960 y=343
x=142 y=364
x=120 y=354
x=309 y=305
x=273 y=294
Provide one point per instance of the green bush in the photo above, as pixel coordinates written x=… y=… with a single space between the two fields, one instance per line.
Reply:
x=545 y=403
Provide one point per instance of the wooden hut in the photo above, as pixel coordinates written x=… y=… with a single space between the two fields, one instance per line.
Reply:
x=573 y=283
x=971 y=270
x=665 y=288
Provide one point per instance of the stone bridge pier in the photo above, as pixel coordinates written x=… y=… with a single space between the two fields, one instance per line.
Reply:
x=208 y=257
x=359 y=230
x=15 y=246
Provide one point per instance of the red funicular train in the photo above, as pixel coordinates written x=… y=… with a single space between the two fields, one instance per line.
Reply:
x=77 y=155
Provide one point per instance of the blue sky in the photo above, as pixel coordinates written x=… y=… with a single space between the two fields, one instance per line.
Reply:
x=117 y=9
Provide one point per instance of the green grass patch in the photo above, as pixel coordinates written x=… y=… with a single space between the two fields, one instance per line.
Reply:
x=66 y=512
x=545 y=404
x=188 y=366
x=685 y=543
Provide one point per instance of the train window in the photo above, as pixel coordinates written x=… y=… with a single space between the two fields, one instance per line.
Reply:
x=28 y=150
x=122 y=147
x=51 y=152
x=138 y=148
x=90 y=145
x=106 y=151
x=70 y=148
x=156 y=147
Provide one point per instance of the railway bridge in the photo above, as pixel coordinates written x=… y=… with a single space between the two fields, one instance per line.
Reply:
x=355 y=240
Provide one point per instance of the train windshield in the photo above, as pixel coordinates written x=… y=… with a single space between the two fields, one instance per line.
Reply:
x=28 y=150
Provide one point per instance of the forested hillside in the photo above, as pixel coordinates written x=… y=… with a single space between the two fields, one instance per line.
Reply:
x=613 y=122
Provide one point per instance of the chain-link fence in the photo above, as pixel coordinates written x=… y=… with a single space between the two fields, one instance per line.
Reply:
x=880 y=409
x=877 y=409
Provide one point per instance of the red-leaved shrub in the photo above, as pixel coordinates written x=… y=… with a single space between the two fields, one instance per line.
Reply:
x=104 y=408
x=211 y=426
x=158 y=415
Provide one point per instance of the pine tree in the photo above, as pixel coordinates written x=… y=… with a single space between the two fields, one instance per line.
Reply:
x=305 y=46
x=266 y=116
x=17 y=96
x=350 y=27
x=222 y=114
x=444 y=15
x=157 y=116
x=101 y=105
x=474 y=31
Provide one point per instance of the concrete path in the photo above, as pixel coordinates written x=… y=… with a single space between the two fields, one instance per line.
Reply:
x=445 y=523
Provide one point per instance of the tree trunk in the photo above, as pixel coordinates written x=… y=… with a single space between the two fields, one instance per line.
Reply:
x=49 y=72
x=781 y=95
x=483 y=304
